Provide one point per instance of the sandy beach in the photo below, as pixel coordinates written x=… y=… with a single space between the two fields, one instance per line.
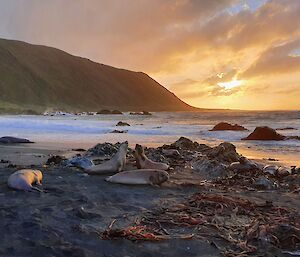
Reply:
x=72 y=217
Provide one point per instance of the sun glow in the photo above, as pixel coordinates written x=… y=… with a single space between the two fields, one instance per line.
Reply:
x=230 y=84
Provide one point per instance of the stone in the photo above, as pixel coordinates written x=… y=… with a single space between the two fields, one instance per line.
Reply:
x=264 y=133
x=227 y=126
x=14 y=140
x=121 y=123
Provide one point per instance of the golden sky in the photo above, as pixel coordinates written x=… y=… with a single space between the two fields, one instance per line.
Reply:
x=235 y=54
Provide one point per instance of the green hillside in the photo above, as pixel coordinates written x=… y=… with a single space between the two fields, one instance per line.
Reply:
x=40 y=78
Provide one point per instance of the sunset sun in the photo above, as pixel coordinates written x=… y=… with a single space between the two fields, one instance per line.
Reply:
x=230 y=84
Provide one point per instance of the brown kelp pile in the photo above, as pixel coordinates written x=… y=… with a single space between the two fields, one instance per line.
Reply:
x=237 y=226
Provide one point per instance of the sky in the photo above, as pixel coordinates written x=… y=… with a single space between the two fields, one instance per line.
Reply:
x=237 y=54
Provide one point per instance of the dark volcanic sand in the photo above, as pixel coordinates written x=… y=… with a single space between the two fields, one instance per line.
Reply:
x=65 y=221
x=69 y=218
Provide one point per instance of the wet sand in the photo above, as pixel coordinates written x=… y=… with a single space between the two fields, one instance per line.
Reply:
x=69 y=218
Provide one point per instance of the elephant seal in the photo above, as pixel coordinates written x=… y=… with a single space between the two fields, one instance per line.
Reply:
x=270 y=169
x=243 y=165
x=142 y=162
x=23 y=180
x=140 y=177
x=115 y=164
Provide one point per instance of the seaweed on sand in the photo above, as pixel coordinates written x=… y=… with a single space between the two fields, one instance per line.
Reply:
x=238 y=227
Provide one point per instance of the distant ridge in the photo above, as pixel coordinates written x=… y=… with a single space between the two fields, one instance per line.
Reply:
x=39 y=78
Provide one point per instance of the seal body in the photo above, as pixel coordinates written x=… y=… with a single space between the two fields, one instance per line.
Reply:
x=142 y=162
x=140 y=177
x=243 y=165
x=23 y=179
x=270 y=169
x=115 y=164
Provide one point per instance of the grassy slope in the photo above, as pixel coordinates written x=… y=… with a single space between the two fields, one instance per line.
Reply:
x=39 y=77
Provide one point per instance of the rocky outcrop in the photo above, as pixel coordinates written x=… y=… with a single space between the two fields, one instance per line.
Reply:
x=185 y=143
x=119 y=131
x=210 y=168
x=14 y=140
x=109 y=112
x=121 y=123
x=225 y=153
x=264 y=133
x=227 y=126
x=141 y=113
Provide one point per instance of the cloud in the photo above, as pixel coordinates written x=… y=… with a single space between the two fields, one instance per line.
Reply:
x=182 y=43
x=276 y=59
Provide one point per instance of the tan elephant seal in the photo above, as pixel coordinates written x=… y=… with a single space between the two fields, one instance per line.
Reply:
x=23 y=180
x=142 y=161
x=115 y=164
x=140 y=177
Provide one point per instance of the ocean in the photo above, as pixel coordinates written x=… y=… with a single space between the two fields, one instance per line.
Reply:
x=158 y=129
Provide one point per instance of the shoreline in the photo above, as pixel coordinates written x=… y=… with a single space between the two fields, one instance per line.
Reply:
x=65 y=148
x=84 y=215
x=74 y=215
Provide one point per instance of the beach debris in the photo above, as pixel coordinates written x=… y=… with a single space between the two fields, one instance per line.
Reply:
x=14 y=140
x=139 y=233
x=133 y=233
x=264 y=133
x=140 y=177
x=121 y=123
x=118 y=131
x=242 y=227
x=24 y=179
x=55 y=159
x=227 y=126
x=143 y=162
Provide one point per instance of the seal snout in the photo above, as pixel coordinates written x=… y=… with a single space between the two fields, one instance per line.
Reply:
x=163 y=176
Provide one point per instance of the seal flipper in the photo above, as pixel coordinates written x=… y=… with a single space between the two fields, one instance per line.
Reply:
x=33 y=189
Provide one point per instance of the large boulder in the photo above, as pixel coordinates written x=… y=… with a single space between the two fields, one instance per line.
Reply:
x=225 y=153
x=118 y=131
x=116 y=112
x=264 y=133
x=210 y=168
x=121 y=123
x=141 y=113
x=109 y=112
x=14 y=140
x=105 y=150
x=185 y=143
x=227 y=126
